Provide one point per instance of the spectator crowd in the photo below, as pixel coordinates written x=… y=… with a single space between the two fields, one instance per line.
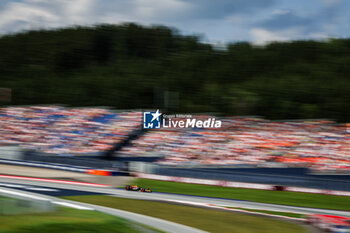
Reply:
x=318 y=144
x=66 y=131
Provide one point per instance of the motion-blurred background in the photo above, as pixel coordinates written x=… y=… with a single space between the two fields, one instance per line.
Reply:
x=278 y=60
x=76 y=76
x=75 y=79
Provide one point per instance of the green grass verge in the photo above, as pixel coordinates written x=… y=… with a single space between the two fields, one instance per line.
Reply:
x=266 y=196
x=205 y=219
x=293 y=215
x=65 y=220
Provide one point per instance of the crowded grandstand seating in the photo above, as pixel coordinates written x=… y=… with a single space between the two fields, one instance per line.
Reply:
x=318 y=144
x=66 y=131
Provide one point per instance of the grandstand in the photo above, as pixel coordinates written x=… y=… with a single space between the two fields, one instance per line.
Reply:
x=66 y=131
x=321 y=145
x=318 y=144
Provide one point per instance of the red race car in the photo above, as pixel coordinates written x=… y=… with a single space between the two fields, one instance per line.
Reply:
x=330 y=223
x=137 y=188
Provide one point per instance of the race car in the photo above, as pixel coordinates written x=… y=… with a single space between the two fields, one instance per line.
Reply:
x=137 y=188
x=330 y=223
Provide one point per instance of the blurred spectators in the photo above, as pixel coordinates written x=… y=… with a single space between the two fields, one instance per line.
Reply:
x=317 y=144
x=60 y=130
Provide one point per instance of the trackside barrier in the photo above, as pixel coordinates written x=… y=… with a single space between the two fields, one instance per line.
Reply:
x=54 y=181
x=231 y=184
x=70 y=168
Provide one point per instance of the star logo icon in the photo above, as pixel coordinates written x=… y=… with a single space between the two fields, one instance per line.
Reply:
x=152 y=120
x=156 y=115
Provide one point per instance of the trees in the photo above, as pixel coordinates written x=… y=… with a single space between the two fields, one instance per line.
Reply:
x=122 y=66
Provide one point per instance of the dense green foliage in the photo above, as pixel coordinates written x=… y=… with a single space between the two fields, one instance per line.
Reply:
x=130 y=66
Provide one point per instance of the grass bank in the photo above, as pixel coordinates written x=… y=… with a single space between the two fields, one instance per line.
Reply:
x=66 y=220
x=266 y=196
x=205 y=219
x=286 y=214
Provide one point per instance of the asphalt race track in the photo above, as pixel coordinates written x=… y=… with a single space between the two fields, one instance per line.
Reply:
x=61 y=189
x=56 y=192
x=29 y=191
